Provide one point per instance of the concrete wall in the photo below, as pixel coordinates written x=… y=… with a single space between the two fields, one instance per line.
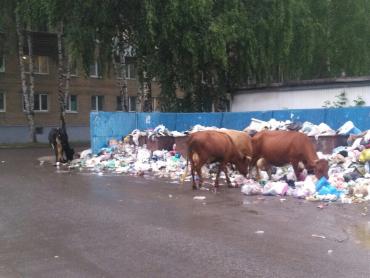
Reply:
x=108 y=125
x=20 y=134
x=295 y=98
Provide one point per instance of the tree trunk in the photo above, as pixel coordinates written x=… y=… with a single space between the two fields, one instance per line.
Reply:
x=123 y=81
x=67 y=79
x=61 y=91
x=120 y=70
x=147 y=86
x=117 y=73
x=25 y=92
x=31 y=87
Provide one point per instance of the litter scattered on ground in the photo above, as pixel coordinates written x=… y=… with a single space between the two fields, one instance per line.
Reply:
x=199 y=198
x=349 y=173
x=259 y=232
x=319 y=236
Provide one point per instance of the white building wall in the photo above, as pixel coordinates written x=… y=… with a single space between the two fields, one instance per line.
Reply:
x=295 y=99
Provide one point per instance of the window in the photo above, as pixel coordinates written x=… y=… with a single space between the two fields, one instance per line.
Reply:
x=40 y=64
x=94 y=70
x=97 y=103
x=2 y=102
x=130 y=71
x=2 y=63
x=40 y=103
x=131 y=104
x=118 y=103
x=71 y=103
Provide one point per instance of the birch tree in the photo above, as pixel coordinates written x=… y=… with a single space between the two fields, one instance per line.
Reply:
x=27 y=86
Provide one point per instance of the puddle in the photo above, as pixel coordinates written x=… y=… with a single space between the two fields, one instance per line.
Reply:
x=362 y=234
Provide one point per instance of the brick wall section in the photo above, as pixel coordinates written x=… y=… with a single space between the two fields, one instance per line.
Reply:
x=81 y=86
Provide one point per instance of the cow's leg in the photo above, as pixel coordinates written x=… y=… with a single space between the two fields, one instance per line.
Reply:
x=296 y=168
x=192 y=174
x=226 y=176
x=254 y=164
x=222 y=167
x=199 y=172
x=269 y=170
x=60 y=152
x=55 y=151
x=196 y=166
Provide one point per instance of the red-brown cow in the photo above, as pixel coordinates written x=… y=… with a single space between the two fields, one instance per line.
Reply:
x=283 y=147
x=242 y=142
x=213 y=146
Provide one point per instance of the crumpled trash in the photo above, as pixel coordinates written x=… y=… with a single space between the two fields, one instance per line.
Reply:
x=304 y=188
x=323 y=187
x=201 y=198
x=348 y=128
x=198 y=127
x=251 y=187
x=307 y=127
x=85 y=154
x=321 y=129
x=275 y=188
x=295 y=126
x=364 y=156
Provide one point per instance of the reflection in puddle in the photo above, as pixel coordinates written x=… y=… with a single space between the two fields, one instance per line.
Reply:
x=362 y=234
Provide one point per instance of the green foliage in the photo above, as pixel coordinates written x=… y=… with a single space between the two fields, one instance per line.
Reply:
x=341 y=100
x=208 y=48
x=359 y=101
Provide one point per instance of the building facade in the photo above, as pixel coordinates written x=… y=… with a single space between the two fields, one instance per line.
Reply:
x=94 y=91
x=303 y=95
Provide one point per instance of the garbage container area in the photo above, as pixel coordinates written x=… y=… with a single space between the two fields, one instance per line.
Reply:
x=326 y=144
x=160 y=143
x=142 y=140
x=181 y=147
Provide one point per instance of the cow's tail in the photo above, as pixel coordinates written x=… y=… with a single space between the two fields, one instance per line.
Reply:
x=189 y=153
x=183 y=176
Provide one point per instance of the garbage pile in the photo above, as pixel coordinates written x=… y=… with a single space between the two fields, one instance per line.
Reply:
x=349 y=177
x=123 y=158
x=349 y=173
x=308 y=128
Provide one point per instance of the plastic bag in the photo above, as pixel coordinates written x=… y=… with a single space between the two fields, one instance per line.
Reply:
x=275 y=188
x=323 y=187
x=364 y=156
x=251 y=188
x=348 y=128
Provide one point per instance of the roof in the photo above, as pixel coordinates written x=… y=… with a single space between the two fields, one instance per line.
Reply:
x=314 y=84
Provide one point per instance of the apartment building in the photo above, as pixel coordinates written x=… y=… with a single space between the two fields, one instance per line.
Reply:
x=95 y=91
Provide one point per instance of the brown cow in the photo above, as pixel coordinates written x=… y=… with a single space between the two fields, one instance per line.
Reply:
x=213 y=146
x=242 y=141
x=282 y=147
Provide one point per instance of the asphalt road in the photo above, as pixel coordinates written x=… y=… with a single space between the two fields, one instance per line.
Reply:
x=54 y=223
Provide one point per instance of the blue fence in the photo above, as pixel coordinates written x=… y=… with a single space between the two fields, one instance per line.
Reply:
x=107 y=125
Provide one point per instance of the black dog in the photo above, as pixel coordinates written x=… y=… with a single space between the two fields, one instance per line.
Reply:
x=58 y=140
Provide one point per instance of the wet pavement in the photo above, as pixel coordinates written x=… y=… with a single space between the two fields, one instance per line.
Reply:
x=56 y=223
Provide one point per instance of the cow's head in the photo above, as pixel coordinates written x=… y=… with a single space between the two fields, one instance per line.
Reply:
x=321 y=168
x=243 y=164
